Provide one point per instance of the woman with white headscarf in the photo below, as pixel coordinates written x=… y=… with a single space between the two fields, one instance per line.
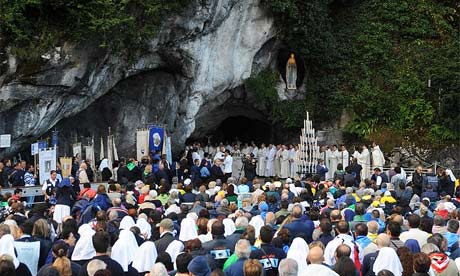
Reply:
x=145 y=257
x=84 y=249
x=188 y=230
x=174 y=249
x=388 y=259
x=145 y=227
x=7 y=249
x=229 y=227
x=257 y=222
x=124 y=249
x=126 y=223
x=299 y=252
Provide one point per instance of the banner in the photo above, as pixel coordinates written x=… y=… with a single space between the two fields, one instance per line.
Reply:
x=156 y=135
x=168 y=150
x=34 y=149
x=142 y=144
x=66 y=166
x=77 y=150
x=47 y=163
x=54 y=139
x=5 y=140
x=101 y=150
x=42 y=145
x=89 y=154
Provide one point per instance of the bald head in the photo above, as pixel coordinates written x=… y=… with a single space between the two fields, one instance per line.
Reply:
x=335 y=215
x=399 y=219
x=315 y=256
x=373 y=227
x=382 y=240
x=270 y=218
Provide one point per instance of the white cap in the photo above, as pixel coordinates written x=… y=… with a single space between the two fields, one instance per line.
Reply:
x=187 y=181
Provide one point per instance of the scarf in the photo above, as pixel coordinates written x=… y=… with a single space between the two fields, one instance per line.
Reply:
x=130 y=166
x=439 y=262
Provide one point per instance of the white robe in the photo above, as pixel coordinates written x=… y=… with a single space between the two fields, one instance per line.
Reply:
x=327 y=162
x=261 y=164
x=344 y=158
x=255 y=152
x=334 y=161
x=365 y=162
x=278 y=162
x=378 y=160
x=284 y=160
x=292 y=163
x=270 y=162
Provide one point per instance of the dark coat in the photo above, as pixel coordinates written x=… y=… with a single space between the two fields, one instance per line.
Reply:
x=163 y=243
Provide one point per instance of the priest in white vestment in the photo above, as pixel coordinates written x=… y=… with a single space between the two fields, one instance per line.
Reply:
x=333 y=160
x=279 y=150
x=378 y=160
x=269 y=166
x=293 y=161
x=284 y=160
x=261 y=157
x=344 y=156
x=327 y=162
x=364 y=160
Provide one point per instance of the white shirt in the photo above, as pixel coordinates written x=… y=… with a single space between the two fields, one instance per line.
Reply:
x=329 y=252
x=416 y=234
x=318 y=269
x=45 y=184
x=228 y=162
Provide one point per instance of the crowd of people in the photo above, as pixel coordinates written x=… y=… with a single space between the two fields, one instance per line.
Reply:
x=199 y=216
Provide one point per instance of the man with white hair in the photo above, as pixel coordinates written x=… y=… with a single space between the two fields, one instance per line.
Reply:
x=288 y=267
x=242 y=251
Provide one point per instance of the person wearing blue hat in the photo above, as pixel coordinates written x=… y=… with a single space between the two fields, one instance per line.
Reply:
x=64 y=195
x=199 y=266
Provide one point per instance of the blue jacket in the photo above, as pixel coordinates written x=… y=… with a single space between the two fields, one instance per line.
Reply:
x=236 y=269
x=301 y=228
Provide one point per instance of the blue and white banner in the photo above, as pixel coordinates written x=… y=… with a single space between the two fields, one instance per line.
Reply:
x=54 y=139
x=156 y=136
x=168 y=150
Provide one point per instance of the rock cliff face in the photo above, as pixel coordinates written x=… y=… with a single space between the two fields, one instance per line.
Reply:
x=190 y=79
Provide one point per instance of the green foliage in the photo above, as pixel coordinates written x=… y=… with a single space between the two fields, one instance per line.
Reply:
x=33 y=26
x=284 y=112
x=375 y=58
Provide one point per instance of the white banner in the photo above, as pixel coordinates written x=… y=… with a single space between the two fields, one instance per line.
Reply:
x=168 y=150
x=89 y=154
x=142 y=144
x=46 y=163
x=34 y=148
x=5 y=140
x=77 y=150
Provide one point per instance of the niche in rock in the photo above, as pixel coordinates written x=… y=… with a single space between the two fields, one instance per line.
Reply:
x=283 y=57
x=243 y=129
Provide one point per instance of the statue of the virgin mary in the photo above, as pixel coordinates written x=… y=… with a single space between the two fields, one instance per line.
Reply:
x=291 y=73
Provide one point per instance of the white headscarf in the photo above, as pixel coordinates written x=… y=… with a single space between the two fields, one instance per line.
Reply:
x=104 y=164
x=257 y=222
x=388 y=259
x=145 y=257
x=84 y=249
x=299 y=252
x=145 y=227
x=126 y=223
x=292 y=189
x=124 y=249
x=174 y=249
x=188 y=230
x=229 y=226
x=7 y=247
